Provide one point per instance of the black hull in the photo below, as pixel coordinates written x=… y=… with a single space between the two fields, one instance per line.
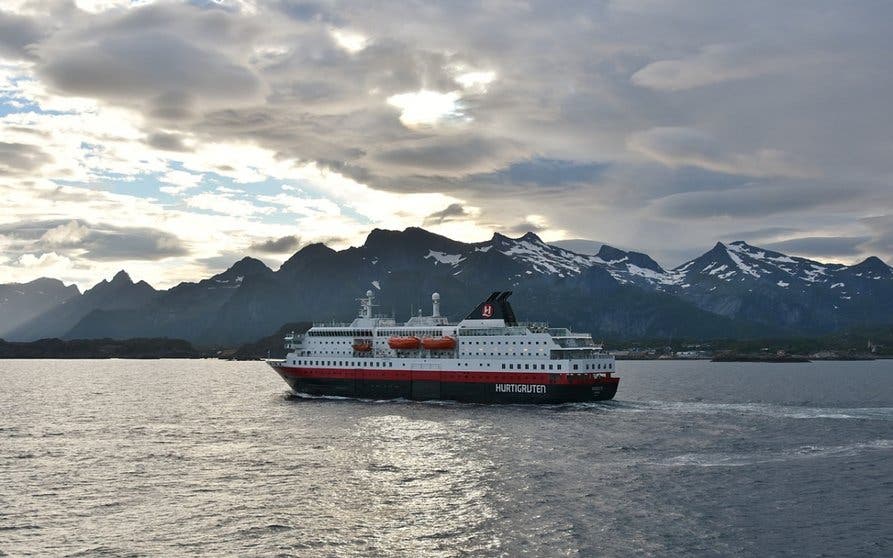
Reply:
x=467 y=392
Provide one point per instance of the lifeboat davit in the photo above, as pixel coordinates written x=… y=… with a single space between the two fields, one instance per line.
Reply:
x=362 y=346
x=404 y=343
x=439 y=343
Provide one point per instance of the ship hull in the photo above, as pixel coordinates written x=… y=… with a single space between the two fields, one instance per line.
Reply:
x=469 y=387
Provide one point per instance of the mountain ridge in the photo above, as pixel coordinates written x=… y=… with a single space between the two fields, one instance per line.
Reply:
x=732 y=289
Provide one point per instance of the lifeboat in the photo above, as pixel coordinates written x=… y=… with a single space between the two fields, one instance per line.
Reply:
x=439 y=343
x=404 y=343
x=362 y=346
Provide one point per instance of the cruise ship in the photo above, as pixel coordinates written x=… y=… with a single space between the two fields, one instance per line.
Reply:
x=488 y=357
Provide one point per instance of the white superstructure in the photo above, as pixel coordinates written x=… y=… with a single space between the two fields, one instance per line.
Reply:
x=488 y=340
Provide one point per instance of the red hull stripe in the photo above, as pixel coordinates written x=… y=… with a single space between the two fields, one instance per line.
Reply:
x=442 y=376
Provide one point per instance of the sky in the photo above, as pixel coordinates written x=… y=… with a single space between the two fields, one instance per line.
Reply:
x=171 y=139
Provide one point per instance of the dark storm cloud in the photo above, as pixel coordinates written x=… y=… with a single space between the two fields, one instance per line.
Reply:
x=16 y=34
x=155 y=65
x=819 y=246
x=755 y=200
x=94 y=242
x=453 y=156
x=451 y=212
x=285 y=244
x=881 y=240
x=20 y=158
x=525 y=227
x=167 y=142
x=540 y=172
x=659 y=112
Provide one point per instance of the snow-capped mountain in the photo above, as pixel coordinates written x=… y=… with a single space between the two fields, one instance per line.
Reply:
x=730 y=290
x=743 y=281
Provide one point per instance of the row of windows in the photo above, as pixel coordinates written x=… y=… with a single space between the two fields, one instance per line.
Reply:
x=527 y=367
x=373 y=364
x=386 y=364
x=500 y=342
x=341 y=333
x=593 y=366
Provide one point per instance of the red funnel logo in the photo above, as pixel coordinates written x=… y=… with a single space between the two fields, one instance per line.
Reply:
x=487 y=311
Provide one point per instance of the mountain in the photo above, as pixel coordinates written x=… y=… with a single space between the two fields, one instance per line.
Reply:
x=598 y=293
x=21 y=302
x=182 y=312
x=119 y=293
x=733 y=290
x=741 y=281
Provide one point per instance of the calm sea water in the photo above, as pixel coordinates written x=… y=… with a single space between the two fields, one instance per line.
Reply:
x=175 y=457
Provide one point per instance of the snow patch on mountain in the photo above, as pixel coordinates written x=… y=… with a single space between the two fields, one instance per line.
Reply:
x=547 y=259
x=735 y=251
x=449 y=259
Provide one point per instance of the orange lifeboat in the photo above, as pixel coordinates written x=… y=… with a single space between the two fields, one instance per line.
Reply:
x=439 y=343
x=362 y=346
x=404 y=343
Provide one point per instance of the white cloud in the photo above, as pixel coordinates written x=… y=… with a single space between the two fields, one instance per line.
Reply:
x=68 y=234
x=46 y=261
x=225 y=204
x=350 y=41
x=476 y=81
x=181 y=181
x=426 y=108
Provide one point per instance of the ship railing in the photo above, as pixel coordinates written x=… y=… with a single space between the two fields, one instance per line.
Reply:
x=487 y=331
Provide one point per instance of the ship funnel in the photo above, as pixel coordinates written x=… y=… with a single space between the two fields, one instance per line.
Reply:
x=435 y=303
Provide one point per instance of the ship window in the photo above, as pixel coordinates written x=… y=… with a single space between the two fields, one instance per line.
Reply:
x=503 y=366
x=559 y=367
x=550 y=367
x=542 y=366
x=511 y=366
x=575 y=367
x=526 y=367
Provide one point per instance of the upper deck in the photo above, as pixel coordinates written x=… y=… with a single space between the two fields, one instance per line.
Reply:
x=487 y=338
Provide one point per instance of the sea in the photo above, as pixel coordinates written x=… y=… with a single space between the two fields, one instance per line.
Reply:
x=216 y=458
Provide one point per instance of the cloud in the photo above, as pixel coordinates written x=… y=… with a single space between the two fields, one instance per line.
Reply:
x=17 y=33
x=454 y=156
x=645 y=121
x=880 y=241
x=819 y=246
x=167 y=142
x=136 y=58
x=225 y=204
x=71 y=233
x=47 y=260
x=532 y=223
x=678 y=146
x=79 y=241
x=282 y=245
x=180 y=180
x=712 y=64
x=19 y=157
x=452 y=212
x=753 y=200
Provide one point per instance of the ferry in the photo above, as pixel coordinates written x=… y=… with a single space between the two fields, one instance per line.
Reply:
x=488 y=357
